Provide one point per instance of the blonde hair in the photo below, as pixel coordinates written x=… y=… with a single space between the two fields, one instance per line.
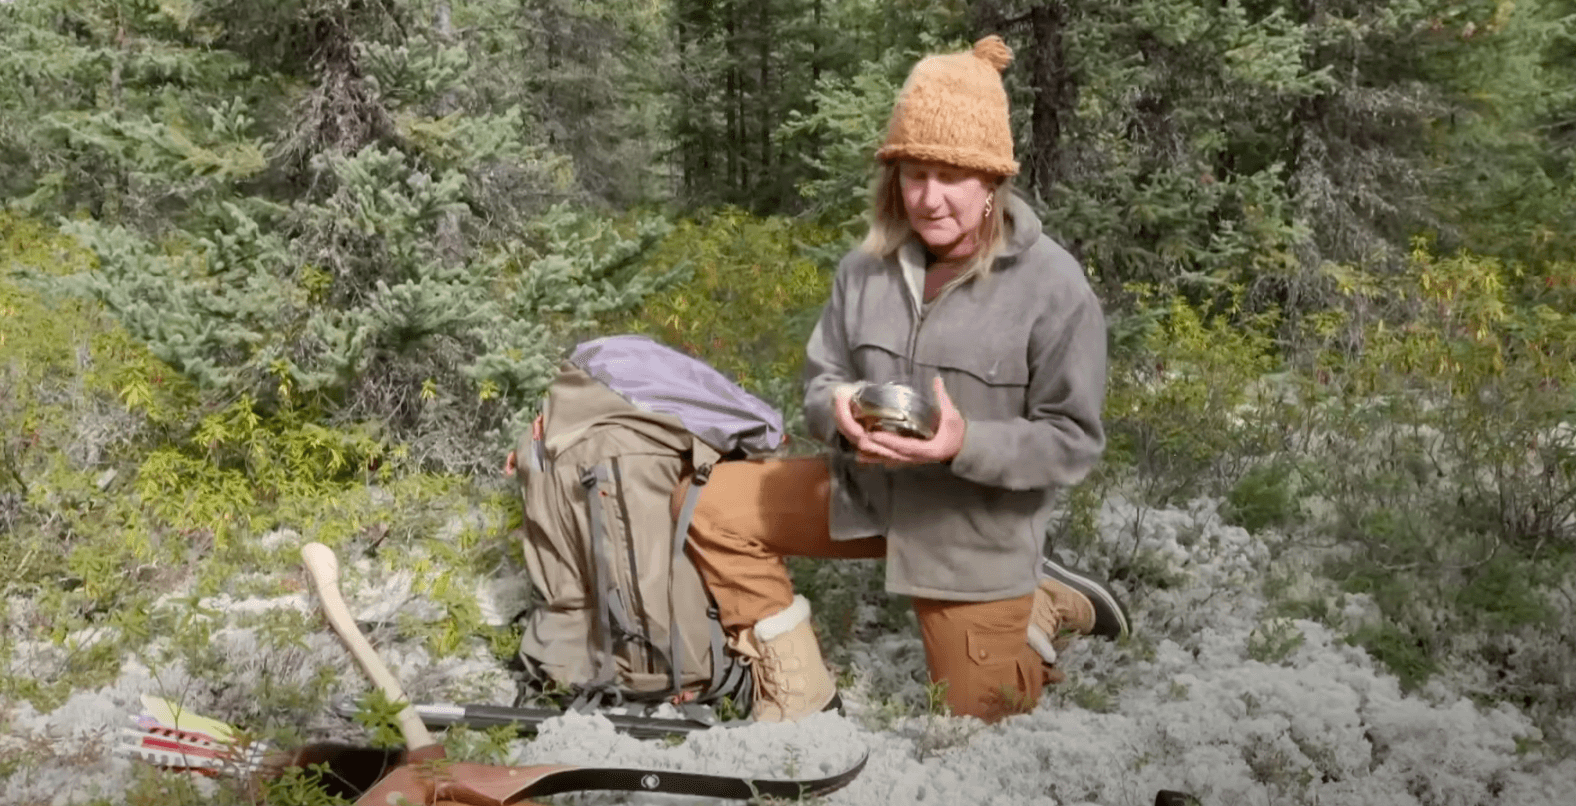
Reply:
x=889 y=228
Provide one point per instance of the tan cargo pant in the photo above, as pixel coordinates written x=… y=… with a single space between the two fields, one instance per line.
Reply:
x=752 y=514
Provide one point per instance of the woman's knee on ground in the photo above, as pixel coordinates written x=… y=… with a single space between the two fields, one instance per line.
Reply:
x=978 y=652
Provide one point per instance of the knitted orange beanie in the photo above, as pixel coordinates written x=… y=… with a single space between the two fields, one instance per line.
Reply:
x=953 y=110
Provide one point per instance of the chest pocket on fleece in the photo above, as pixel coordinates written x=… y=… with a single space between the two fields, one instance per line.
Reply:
x=987 y=374
x=879 y=355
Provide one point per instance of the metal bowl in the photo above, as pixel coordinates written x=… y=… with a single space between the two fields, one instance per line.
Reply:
x=896 y=408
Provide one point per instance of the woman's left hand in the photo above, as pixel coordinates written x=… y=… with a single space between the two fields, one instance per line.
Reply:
x=895 y=450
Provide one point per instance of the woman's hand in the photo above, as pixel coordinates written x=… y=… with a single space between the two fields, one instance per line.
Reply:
x=895 y=450
x=843 y=412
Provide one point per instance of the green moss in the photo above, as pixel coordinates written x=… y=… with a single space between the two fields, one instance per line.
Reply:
x=1388 y=588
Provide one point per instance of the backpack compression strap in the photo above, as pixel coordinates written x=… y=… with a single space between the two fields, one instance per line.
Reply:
x=610 y=606
x=680 y=539
x=611 y=612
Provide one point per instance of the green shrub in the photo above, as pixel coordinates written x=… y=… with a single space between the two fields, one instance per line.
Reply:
x=1407 y=656
x=1392 y=589
x=1443 y=461
x=1188 y=403
x=1274 y=641
x=754 y=293
x=443 y=353
x=1504 y=594
x=1455 y=408
x=1264 y=497
x=122 y=485
x=60 y=363
x=1077 y=524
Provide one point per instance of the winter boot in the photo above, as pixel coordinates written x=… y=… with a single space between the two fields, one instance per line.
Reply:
x=791 y=680
x=1070 y=602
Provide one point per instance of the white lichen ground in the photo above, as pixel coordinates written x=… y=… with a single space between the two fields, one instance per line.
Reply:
x=1184 y=707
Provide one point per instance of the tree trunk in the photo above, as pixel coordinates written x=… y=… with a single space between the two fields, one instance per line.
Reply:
x=451 y=240
x=764 y=95
x=986 y=17
x=734 y=99
x=815 y=50
x=1055 y=95
x=686 y=130
x=443 y=28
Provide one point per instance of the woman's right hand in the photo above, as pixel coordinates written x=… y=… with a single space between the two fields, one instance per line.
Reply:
x=893 y=450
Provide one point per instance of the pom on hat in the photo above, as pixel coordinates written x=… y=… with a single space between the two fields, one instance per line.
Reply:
x=953 y=110
x=994 y=52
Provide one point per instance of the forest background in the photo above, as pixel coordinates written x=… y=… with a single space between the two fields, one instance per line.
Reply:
x=306 y=266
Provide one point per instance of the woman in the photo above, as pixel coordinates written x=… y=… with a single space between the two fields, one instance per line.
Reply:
x=955 y=291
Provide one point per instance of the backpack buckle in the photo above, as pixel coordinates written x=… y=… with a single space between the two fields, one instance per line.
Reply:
x=701 y=475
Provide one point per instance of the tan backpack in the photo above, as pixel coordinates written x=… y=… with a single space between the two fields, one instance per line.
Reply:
x=620 y=599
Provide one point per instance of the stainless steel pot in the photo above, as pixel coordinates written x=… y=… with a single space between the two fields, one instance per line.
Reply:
x=896 y=408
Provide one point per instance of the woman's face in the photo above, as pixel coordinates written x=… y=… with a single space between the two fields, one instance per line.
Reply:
x=945 y=205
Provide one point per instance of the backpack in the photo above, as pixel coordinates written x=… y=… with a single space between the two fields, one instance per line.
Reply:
x=623 y=613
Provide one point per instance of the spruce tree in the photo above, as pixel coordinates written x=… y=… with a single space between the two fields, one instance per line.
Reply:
x=319 y=205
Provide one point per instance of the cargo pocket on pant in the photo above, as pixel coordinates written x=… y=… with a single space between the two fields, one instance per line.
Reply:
x=1002 y=681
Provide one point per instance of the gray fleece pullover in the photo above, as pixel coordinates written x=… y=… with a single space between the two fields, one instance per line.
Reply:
x=1023 y=355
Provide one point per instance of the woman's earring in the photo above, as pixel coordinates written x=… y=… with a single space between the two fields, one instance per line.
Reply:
x=988 y=200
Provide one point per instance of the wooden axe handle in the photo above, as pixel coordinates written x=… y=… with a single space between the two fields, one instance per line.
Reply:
x=323 y=567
